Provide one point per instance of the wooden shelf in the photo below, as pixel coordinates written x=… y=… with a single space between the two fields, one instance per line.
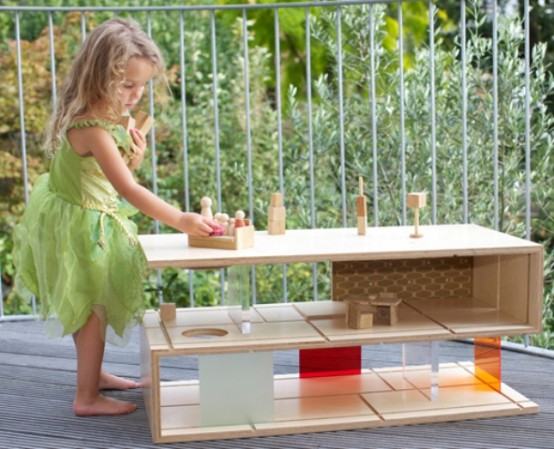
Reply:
x=375 y=398
x=458 y=281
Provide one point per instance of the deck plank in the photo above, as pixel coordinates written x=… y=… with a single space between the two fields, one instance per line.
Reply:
x=37 y=377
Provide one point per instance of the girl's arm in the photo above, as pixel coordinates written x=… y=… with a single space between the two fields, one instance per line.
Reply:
x=101 y=145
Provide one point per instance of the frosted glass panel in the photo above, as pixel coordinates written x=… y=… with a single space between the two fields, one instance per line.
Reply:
x=236 y=388
x=238 y=296
x=420 y=363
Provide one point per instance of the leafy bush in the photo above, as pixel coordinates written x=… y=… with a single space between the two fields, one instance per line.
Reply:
x=254 y=159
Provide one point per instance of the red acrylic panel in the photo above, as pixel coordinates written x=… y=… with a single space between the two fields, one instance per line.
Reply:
x=488 y=360
x=330 y=361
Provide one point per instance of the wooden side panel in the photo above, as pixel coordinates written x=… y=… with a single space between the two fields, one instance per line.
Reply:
x=536 y=286
x=486 y=278
x=514 y=285
x=150 y=376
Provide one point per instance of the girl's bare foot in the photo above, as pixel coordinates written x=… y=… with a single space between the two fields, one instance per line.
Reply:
x=102 y=406
x=111 y=382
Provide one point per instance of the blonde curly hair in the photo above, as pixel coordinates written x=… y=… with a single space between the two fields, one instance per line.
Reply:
x=92 y=84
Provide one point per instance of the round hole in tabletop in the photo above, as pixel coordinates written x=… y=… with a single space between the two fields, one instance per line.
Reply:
x=204 y=333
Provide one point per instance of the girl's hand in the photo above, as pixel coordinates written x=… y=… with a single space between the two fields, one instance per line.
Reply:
x=196 y=224
x=138 y=150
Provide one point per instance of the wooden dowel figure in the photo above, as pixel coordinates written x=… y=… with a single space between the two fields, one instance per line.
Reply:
x=206 y=207
x=416 y=201
x=361 y=208
x=239 y=219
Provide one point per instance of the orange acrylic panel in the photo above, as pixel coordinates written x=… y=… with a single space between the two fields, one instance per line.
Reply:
x=488 y=361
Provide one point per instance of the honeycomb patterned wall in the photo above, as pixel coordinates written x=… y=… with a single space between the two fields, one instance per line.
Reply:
x=445 y=277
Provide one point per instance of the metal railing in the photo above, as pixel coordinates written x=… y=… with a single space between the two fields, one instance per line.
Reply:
x=215 y=12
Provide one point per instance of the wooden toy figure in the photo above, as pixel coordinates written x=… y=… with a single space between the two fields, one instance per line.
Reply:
x=239 y=219
x=206 y=207
x=361 y=208
x=415 y=201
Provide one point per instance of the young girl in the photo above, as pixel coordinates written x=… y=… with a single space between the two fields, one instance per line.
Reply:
x=75 y=247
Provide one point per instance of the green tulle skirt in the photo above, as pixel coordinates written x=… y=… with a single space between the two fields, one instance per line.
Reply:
x=78 y=261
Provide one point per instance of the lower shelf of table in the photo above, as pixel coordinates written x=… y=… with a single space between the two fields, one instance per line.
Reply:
x=375 y=398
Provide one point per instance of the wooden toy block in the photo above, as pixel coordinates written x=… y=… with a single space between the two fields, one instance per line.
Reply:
x=168 y=312
x=276 y=215
x=127 y=122
x=143 y=122
x=360 y=315
x=361 y=208
x=276 y=199
x=276 y=228
x=243 y=238
x=386 y=308
x=415 y=201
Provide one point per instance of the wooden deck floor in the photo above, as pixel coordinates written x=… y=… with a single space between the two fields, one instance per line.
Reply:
x=37 y=377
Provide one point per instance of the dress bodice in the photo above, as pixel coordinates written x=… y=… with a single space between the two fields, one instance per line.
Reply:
x=79 y=179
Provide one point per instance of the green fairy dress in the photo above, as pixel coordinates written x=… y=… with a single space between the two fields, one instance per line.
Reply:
x=75 y=247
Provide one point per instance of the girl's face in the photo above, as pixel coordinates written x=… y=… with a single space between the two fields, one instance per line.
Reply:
x=138 y=72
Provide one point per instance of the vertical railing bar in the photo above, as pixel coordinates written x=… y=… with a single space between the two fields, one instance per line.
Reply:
x=527 y=120
x=216 y=107
x=246 y=69
x=153 y=158
x=83 y=26
x=310 y=118
x=310 y=139
x=153 y=130
x=432 y=108
x=402 y=112
x=25 y=172
x=21 y=108
x=276 y=28
x=527 y=56
x=341 y=115
x=215 y=88
x=527 y=62
x=184 y=123
x=495 y=110
x=463 y=38
x=52 y=59
x=373 y=96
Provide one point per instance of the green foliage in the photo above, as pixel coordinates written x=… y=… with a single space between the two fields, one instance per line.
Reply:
x=448 y=144
x=250 y=156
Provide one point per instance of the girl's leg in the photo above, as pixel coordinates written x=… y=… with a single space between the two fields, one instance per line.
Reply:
x=90 y=352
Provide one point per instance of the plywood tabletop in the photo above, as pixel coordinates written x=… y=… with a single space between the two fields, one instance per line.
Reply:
x=339 y=244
